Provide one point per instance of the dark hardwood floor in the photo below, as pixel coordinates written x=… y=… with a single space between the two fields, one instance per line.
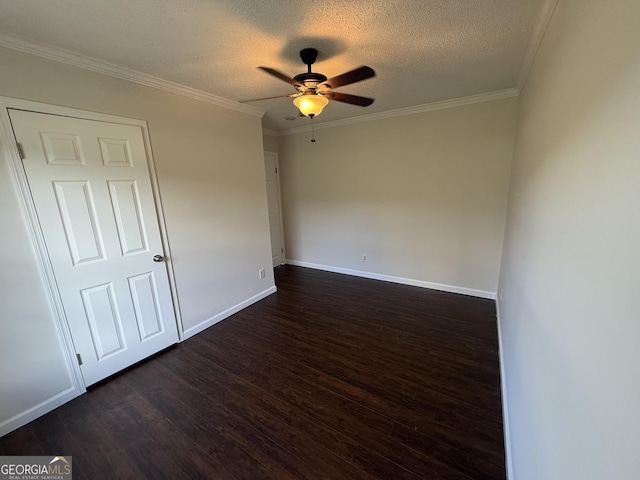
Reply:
x=332 y=377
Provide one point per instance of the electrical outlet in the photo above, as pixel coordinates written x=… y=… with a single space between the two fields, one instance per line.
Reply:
x=364 y=257
x=501 y=294
x=261 y=273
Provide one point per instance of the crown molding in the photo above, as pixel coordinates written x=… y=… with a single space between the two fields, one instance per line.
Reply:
x=539 y=29
x=401 y=112
x=89 y=63
x=268 y=131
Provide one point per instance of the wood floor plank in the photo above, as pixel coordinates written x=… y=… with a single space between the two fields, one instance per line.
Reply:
x=318 y=429
x=392 y=372
x=369 y=435
x=332 y=377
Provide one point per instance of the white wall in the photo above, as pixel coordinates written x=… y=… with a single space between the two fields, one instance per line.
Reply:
x=423 y=196
x=570 y=315
x=210 y=170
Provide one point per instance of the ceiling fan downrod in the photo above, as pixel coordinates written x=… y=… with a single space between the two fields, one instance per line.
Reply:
x=309 y=57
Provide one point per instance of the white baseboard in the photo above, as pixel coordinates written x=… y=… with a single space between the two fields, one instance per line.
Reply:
x=404 y=281
x=503 y=391
x=39 y=410
x=191 y=331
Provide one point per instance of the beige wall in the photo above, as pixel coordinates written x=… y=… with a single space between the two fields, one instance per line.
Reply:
x=33 y=365
x=423 y=196
x=270 y=143
x=570 y=314
x=210 y=171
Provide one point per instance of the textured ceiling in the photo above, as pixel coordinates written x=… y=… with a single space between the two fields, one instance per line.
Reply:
x=423 y=51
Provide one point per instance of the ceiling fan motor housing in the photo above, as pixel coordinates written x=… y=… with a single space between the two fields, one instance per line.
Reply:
x=313 y=78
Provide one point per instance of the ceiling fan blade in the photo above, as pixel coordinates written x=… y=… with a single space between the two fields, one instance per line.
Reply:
x=352 y=99
x=290 y=95
x=357 y=75
x=280 y=75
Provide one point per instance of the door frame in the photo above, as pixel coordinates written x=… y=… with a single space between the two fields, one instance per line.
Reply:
x=9 y=153
x=284 y=248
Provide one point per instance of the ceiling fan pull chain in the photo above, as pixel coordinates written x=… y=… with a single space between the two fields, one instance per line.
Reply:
x=313 y=130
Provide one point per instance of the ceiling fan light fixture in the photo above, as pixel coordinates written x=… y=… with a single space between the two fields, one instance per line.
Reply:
x=311 y=105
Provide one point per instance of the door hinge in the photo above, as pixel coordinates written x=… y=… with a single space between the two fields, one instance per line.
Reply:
x=79 y=359
x=276 y=169
x=20 y=151
x=282 y=250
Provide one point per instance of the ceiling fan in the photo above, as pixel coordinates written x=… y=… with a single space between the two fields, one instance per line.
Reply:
x=314 y=90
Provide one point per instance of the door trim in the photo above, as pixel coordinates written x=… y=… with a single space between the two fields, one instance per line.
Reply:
x=10 y=153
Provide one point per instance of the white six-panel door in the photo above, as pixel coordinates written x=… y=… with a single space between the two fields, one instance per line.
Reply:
x=91 y=188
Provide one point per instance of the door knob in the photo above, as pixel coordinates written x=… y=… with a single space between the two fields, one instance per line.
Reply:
x=158 y=258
